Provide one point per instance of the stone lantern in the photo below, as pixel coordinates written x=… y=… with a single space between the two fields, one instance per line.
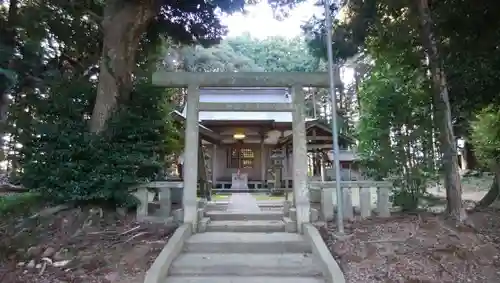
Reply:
x=277 y=158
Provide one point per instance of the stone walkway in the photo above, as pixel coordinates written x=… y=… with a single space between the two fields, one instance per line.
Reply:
x=243 y=202
x=245 y=245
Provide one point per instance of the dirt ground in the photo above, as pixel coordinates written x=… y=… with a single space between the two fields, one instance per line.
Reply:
x=473 y=188
x=79 y=245
x=421 y=248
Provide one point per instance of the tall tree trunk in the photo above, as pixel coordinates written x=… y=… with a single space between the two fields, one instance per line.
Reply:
x=493 y=193
x=123 y=24
x=443 y=112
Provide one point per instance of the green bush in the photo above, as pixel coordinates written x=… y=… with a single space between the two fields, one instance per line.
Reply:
x=486 y=136
x=66 y=163
x=18 y=203
x=407 y=200
x=409 y=192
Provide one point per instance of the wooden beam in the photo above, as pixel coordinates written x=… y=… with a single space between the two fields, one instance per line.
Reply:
x=319 y=138
x=319 y=146
x=213 y=138
x=308 y=138
x=246 y=107
x=244 y=79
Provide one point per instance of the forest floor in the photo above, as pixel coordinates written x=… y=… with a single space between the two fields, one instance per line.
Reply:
x=473 y=188
x=76 y=245
x=97 y=245
x=423 y=247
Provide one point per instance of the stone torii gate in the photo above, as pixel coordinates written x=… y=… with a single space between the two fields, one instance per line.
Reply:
x=194 y=81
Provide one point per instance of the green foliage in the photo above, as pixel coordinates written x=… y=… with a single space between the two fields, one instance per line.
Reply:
x=18 y=203
x=246 y=53
x=275 y=54
x=408 y=200
x=9 y=75
x=395 y=128
x=219 y=58
x=56 y=61
x=65 y=162
x=198 y=21
x=486 y=135
x=396 y=131
x=466 y=34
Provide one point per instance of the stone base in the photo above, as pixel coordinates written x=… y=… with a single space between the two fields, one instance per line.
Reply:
x=176 y=195
x=313 y=215
x=286 y=207
x=239 y=182
x=314 y=195
x=202 y=226
x=178 y=215
x=249 y=226
x=247 y=243
x=239 y=188
x=243 y=216
x=290 y=225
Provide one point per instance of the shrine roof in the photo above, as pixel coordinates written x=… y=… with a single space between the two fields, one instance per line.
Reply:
x=244 y=95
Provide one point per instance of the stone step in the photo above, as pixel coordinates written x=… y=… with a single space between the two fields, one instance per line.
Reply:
x=256 y=226
x=215 y=208
x=239 y=279
x=232 y=216
x=213 y=264
x=227 y=242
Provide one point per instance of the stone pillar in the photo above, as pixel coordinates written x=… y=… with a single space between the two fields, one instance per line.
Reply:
x=347 y=203
x=365 y=202
x=350 y=171
x=191 y=148
x=322 y=167
x=165 y=201
x=263 y=162
x=300 y=187
x=285 y=169
x=214 y=165
x=278 y=176
x=383 y=203
x=142 y=207
x=327 y=205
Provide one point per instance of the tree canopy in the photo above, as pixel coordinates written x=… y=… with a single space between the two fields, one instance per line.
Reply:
x=75 y=75
x=245 y=53
x=443 y=52
x=428 y=69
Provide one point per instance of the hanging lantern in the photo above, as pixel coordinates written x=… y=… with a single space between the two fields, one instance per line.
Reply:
x=239 y=135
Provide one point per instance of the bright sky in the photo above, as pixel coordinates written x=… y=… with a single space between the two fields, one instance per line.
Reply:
x=260 y=23
x=259 y=20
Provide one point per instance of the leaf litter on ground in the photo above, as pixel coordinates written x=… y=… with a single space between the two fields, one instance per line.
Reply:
x=418 y=248
x=89 y=244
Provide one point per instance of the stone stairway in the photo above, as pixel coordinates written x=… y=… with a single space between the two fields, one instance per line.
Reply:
x=245 y=247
